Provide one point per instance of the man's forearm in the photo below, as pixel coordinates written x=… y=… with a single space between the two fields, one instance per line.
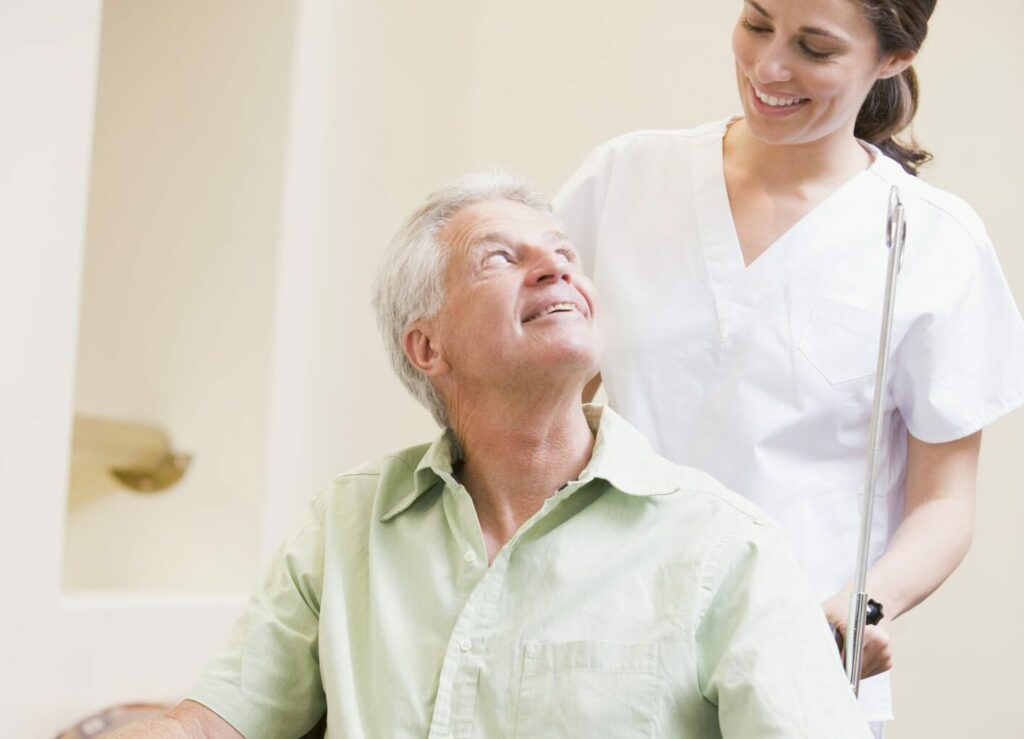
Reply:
x=187 y=720
x=158 y=728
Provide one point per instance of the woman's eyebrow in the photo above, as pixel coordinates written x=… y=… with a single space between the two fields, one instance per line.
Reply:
x=758 y=8
x=810 y=30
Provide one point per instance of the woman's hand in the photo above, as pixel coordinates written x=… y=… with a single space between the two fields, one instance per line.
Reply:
x=877 y=639
x=935 y=533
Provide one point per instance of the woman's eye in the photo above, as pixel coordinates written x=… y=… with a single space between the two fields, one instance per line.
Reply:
x=813 y=54
x=755 y=29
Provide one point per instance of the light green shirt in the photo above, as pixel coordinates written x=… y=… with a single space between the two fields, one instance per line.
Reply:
x=641 y=600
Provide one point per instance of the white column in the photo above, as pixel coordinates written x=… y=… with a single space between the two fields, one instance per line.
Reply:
x=49 y=52
x=301 y=261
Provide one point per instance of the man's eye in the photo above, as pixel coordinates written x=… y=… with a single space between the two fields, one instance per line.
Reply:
x=499 y=257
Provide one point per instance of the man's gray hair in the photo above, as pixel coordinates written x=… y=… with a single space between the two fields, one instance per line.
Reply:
x=410 y=283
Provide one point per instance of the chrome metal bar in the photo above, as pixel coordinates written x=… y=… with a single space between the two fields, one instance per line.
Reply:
x=896 y=234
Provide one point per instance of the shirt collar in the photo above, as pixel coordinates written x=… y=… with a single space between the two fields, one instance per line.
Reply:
x=622 y=456
x=436 y=465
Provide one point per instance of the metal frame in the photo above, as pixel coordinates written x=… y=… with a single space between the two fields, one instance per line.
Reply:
x=895 y=236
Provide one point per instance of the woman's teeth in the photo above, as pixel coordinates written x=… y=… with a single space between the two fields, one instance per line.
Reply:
x=776 y=102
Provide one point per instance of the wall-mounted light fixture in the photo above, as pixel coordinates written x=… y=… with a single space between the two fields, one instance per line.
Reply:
x=139 y=456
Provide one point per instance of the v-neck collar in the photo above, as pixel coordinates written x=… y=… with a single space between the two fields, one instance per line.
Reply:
x=739 y=287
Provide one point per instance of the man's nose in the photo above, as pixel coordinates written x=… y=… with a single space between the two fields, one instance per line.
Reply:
x=550 y=267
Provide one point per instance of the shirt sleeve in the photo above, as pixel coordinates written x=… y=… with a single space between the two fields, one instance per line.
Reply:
x=266 y=680
x=766 y=656
x=960 y=366
x=580 y=202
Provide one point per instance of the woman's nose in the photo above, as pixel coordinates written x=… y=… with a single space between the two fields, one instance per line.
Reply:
x=772 y=66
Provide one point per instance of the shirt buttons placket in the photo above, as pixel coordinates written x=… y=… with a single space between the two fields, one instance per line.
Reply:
x=454 y=707
x=531 y=656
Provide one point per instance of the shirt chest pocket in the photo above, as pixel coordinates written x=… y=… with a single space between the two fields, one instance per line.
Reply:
x=841 y=341
x=588 y=689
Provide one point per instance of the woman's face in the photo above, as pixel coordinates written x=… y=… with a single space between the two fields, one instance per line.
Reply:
x=804 y=67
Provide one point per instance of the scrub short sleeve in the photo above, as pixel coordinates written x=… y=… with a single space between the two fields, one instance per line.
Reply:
x=580 y=202
x=266 y=680
x=962 y=366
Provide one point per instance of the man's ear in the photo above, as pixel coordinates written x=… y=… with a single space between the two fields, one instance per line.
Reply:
x=896 y=63
x=423 y=348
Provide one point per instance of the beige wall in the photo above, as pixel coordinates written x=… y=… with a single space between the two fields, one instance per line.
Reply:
x=178 y=286
x=960 y=678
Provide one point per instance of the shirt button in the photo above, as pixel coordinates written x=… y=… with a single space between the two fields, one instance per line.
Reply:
x=469 y=556
x=465 y=645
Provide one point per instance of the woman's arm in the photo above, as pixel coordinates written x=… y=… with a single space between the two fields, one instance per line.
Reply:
x=931 y=540
x=937 y=525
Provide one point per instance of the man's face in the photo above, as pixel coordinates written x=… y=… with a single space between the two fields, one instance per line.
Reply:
x=518 y=308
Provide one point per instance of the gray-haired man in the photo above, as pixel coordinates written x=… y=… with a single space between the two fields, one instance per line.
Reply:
x=537 y=571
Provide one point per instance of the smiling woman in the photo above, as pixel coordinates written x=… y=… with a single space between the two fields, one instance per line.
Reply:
x=759 y=243
x=868 y=47
x=814 y=74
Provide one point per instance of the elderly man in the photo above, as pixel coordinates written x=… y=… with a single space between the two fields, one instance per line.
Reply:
x=537 y=571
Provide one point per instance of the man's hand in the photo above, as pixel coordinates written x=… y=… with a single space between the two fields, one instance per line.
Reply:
x=877 y=639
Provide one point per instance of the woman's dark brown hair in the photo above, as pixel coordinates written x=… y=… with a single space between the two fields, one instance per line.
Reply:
x=900 y=25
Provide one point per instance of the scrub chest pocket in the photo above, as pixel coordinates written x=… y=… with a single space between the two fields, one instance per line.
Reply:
x=841 y=341
x=588 y=689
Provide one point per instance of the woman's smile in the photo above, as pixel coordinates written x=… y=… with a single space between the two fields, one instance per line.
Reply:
x=775 y=105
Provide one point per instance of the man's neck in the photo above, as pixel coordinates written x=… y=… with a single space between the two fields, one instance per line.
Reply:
x=516 y=456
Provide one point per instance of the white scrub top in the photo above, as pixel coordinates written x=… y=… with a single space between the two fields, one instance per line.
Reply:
x=763 y=375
